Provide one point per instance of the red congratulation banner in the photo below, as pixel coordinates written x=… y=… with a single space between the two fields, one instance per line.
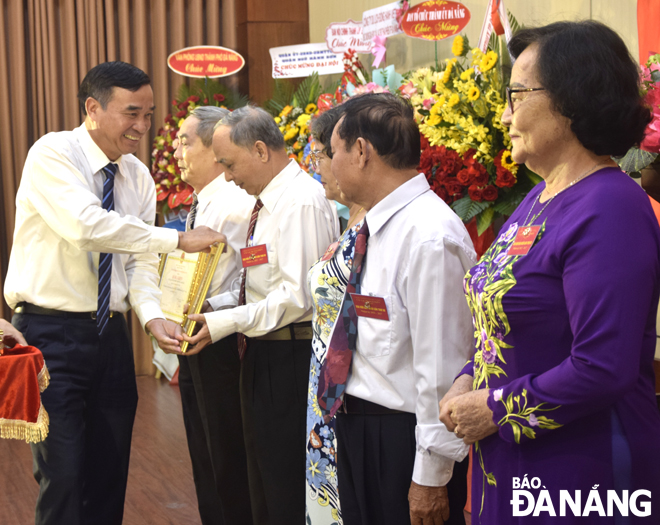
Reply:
x=435 y=19
x=205 y=61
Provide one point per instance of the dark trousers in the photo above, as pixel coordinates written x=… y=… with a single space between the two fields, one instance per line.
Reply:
x=210 y=396
x=375 y=460
x=82 y=466
x=274 y=381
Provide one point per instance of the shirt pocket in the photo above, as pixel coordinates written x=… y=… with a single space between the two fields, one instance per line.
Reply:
x=375 y=335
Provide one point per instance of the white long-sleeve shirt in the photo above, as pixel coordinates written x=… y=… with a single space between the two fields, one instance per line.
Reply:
x=61 y=227
x=417 y=254
x=297 y=223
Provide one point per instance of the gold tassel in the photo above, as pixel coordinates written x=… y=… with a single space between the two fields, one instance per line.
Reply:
x=29 y=432
x=43 y=378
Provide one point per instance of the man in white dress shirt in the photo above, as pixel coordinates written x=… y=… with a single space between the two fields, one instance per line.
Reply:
x=295 y=223
x=395 y=458
x=209 y=381
x=84 y=197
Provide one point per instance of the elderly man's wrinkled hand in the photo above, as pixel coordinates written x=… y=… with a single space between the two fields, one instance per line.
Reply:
x=462 y=385
x=471 y=416
x=428 y=505
x=198 y=341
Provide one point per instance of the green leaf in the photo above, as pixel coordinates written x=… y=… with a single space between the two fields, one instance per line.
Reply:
x=635 y=160
x=485 y=219
x=491 y=479
x=529 y=432
x=308 y=91
x=282 y=96
x=466 y=208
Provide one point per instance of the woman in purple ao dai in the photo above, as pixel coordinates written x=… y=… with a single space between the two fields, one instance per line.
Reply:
x=559 y=396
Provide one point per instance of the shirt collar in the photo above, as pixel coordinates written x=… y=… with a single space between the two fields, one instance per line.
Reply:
x=383 y=211
x=206 y=195
x=95 y=156
x=275 y=188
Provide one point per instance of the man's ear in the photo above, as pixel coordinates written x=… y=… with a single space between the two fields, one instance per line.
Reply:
x=92 y=107
x=364 y=151
x=262 y=151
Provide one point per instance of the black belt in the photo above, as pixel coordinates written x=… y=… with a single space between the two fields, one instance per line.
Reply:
x=355 y=405
x=29 y=308
x=292 y=332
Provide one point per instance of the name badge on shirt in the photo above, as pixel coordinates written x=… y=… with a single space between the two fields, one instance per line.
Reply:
x=254 y=255
x=524 y=240
x=330 y=251
x=370 y=306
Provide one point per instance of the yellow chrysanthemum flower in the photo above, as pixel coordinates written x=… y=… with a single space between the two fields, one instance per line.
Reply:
x=293 y=131
x=467 y=74
x=286 y=111
x=473 y=93
x=457 y=46
x=488 y=61
x=303 y=119
x=310 y=108
x=277 y=120
x=433 y=120
x=454 y=99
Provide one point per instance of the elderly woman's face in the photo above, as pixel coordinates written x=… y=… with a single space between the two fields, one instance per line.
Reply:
x=536 y=130
x=328 y=180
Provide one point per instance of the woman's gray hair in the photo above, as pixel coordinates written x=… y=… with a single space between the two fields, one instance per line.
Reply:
x=250 y=124
x=208 y=117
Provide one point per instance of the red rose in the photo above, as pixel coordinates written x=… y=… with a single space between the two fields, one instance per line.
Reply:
x=464 y=177
x=218 y=97
x=453 y=187
x=182 y=113
x=193 y=98
x=475 y=193
x=206 y=101
x=489 y=193
x=505 y=179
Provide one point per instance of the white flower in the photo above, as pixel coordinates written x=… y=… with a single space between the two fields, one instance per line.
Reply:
x=497 y=395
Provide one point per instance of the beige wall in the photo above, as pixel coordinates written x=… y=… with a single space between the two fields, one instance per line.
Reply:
x=407 y=53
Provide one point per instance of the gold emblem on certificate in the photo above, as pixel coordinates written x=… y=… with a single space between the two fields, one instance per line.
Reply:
x=185 y=279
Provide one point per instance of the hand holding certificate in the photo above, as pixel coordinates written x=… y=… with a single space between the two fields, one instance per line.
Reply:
x=185 y=279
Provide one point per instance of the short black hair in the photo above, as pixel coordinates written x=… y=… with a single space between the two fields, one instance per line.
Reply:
x=100 y=81
x=388 y=123
x=591 y=79
x=324 y=124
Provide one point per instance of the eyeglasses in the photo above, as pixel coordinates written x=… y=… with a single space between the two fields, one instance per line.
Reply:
x=511 y=91
x=315 y=157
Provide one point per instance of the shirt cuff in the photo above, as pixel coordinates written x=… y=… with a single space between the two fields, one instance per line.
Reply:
x=148 y=311
x=220 y=324
x=437 y=449
x=223 y=300
x=163 y=240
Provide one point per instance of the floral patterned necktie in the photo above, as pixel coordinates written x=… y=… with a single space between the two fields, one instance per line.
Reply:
x=337 y=364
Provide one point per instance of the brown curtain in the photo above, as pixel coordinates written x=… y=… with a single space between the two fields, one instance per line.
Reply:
x=47 y=47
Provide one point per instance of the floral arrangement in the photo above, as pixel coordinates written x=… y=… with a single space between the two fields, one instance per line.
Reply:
x=466 y=150
x=639 y=158
x=171 y=190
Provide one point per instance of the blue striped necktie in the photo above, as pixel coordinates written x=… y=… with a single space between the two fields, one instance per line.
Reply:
x=105 y=259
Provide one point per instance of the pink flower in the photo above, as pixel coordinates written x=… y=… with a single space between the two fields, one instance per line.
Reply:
x=533 y=422
x=408 y=90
